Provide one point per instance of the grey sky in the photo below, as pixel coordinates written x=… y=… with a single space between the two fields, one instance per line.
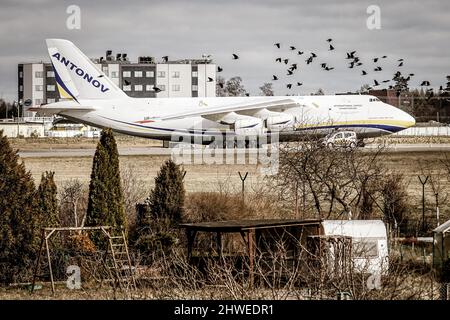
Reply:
x=417 y=31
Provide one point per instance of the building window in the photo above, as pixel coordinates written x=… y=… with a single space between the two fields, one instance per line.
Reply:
x=138 y=74
x=161 y=74
x=21 y=88
x=39 y=88
x=149 y=74
x=194 y=87
x=39 y=74
x=162 y=87
x=20 y=74
x=105 y=69
x=175 y=87
x=114 y=74
x=51 y=100
x=127 y=88
x=37 y=101
x=194 y=74
x=176 y=74
x=50 y=74
x=51 y=87
x=126 y=74
x=149 y=87
x=138 y=87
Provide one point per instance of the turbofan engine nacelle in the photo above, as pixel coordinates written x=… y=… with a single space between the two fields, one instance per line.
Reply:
x=279 y=122
x=248 y=127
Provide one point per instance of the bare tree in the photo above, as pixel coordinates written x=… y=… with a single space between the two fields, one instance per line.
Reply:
x=267 y=89
x=235 y=88
x=73 y=203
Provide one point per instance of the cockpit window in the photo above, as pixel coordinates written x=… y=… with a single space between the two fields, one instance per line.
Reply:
x=374 y=99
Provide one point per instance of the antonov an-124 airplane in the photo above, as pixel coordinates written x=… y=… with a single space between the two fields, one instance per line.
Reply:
x=90 y=97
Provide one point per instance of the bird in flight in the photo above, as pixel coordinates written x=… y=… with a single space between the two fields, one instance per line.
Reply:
x=165 y=58
x=275 y=77
x=219 y=69
x=364 y=73
x=329 y=40
x=286 y=61
x=375 y=83
x=235 y=56
x=278 y=59
x=300 y=53
x=425 y=83
x=351 y=55
x=375 y=60
x=331 y=48
x=210 y=79
x=290 y=73
x=156 y=89
x=299 y=84
x=400 y=64
x=292 y=47
x=277 y=45
x=289 y=85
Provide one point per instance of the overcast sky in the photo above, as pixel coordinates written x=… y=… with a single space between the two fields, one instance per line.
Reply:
x=418 y=31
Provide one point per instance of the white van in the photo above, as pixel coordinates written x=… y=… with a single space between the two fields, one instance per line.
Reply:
x=369 y=242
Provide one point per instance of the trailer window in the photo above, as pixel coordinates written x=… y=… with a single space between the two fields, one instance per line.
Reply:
x=365 y=248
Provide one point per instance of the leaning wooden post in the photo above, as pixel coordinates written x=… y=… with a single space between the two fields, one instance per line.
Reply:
x=49 y=261
x=36 y=268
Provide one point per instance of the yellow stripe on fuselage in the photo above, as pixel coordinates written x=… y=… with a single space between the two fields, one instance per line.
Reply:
x=386 y=122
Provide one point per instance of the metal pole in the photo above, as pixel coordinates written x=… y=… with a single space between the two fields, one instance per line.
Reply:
x=243 y=183
x=423 y=182
x=437 y=208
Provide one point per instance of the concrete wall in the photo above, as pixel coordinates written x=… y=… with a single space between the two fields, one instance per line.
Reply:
x=24 y=129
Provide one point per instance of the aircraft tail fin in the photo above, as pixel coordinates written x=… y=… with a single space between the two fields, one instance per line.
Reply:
x=77 y=77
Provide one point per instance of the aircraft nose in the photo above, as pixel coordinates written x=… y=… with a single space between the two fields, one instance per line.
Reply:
x=408 y=119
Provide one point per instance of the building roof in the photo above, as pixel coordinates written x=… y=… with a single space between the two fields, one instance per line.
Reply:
x=443 y=228
x=242 y=225
x=355 y=228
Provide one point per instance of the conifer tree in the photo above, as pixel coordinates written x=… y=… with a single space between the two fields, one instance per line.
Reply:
x=106 y=203
x=47 y=201
x=18 y=218
x=167 y=198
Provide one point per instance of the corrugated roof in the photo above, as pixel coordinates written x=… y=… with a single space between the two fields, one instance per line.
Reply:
x=238 y=225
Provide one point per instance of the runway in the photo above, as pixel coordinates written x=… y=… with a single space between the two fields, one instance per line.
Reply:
x=158 y=151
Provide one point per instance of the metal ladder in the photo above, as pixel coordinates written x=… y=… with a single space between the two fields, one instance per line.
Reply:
x=120 y=262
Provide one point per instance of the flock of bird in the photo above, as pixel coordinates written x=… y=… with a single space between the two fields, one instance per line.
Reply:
x=354 y=62
x=397 y=82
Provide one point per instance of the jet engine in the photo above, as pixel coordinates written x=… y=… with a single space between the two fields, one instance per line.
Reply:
x=278 y=121
x=248 y=126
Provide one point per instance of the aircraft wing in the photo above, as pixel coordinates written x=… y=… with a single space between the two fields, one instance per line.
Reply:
x=214 y=113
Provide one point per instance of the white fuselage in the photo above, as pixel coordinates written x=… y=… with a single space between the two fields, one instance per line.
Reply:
x=366 y=115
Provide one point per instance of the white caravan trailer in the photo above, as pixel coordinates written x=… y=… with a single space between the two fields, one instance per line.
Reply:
x=369 y=242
